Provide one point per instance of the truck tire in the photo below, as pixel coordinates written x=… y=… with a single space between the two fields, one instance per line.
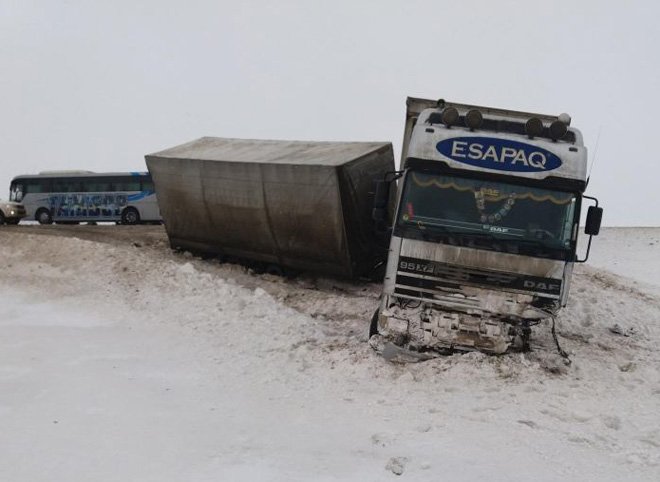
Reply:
x=2 y=218
x=43 y=216
x=130 y=216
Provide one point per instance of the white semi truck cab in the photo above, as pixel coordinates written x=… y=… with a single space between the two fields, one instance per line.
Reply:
x=484 y=234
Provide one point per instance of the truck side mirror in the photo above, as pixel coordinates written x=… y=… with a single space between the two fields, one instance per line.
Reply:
x=381 y=200
x=594 y=217
x=592 y=226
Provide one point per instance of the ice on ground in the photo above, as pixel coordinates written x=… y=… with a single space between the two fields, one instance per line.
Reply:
x=134 y=363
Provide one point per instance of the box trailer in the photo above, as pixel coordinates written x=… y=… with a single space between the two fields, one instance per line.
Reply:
x=295 y=204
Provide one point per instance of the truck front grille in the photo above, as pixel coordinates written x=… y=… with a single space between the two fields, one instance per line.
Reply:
x=432 y=277
x=433 y=290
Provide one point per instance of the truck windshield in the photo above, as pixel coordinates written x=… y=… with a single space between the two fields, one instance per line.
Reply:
x=488 y=215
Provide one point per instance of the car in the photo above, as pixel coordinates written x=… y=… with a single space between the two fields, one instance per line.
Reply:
x=11 y=212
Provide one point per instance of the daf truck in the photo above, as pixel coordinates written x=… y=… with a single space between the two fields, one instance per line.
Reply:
x=476 y=233
x=485 y=230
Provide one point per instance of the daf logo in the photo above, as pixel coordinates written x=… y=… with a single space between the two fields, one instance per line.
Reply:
x=499 y=154
x=541 y=286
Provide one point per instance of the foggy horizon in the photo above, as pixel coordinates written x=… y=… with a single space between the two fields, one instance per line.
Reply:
x=96 y=87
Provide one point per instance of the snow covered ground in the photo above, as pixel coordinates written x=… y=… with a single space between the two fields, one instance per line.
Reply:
x=630 y=252
x=126 y=362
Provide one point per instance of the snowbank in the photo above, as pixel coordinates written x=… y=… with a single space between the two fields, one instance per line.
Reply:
x=122 y=362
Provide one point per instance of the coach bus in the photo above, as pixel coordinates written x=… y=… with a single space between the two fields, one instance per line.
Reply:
x=71 y=197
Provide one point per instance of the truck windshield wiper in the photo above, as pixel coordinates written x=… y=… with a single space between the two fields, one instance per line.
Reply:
x=482 y=236
x=427 y=232
x=531 y=242
x=537 y=247
x=432 y=231
x=478 y=240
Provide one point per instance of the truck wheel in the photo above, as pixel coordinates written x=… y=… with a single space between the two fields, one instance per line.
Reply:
x=2 y=218
x=130 y=216
x=43 y=216
x=373 y=327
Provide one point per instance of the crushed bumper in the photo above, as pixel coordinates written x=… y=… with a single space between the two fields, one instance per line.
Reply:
x=431 y=331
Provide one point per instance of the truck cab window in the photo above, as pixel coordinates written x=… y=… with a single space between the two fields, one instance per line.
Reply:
x=488 y=214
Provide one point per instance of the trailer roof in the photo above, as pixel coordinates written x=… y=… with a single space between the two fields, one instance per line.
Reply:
x=271 y=151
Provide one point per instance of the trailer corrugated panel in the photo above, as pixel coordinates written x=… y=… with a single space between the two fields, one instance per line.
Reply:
x=302 y=205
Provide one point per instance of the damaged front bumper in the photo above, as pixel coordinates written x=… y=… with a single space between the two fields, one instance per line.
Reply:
x=430 y=331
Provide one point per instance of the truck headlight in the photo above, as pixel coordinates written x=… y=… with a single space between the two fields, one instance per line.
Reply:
x=12 y=213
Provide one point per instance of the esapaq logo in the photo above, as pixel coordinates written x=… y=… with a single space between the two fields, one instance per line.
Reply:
x=500 y=154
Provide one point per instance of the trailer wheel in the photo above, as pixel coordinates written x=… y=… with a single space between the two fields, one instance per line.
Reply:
x=373 y=327
x=275 y=270
x=130 y=216
x=43 y=216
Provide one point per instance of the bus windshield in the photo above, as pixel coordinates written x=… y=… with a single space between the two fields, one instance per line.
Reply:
x=16 y=192
x=488 y=215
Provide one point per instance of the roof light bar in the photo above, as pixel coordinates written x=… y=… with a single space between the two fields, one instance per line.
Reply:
x=473 y=119
x=534 y=127
x=449 y=116
x=557 y=130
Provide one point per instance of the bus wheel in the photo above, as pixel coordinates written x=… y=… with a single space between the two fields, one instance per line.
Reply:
x=130 y=216
x=44 y=217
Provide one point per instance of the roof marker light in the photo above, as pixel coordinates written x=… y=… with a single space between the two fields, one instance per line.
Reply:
x=449 y=116
x=473 y=119
x=534 y=127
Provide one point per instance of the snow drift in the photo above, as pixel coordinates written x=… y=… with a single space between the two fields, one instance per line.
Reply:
x=126 y=361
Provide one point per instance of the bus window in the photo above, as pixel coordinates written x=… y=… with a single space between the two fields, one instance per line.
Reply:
x=148 y=185
x=127 y=184
x=36 y=186
x=62 y=185
x=96 y=185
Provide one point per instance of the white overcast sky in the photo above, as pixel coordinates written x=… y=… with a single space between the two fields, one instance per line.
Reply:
x=96 y=85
